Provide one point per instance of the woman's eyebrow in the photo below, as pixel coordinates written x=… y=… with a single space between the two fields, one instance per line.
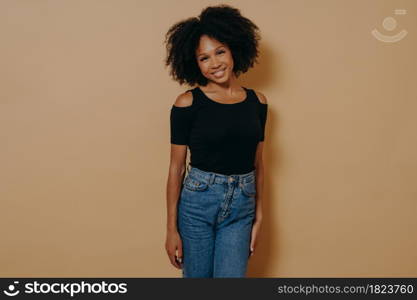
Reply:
x=202 y=53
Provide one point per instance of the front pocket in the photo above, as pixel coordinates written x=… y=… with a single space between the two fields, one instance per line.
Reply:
x=249 y=188
x=193 y=184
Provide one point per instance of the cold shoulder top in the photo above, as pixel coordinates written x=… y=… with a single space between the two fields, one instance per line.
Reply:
x=222 y=138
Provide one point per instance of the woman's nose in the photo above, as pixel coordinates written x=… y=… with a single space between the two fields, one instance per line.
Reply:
x=215 y=63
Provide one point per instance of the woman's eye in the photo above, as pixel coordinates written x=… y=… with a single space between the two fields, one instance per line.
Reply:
x=220 y=52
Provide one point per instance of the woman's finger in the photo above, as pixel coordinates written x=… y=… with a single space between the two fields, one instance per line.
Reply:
x=179 y=253
x=174 y=261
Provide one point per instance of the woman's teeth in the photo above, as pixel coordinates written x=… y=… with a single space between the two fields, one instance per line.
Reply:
x=219 y=73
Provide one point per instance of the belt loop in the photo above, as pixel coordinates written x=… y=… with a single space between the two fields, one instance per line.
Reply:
x=211 y=180
x=243 y=179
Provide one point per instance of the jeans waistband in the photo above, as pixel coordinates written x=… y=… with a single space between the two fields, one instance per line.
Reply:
x=212 y=177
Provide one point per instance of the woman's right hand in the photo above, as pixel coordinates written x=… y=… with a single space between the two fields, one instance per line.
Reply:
x=172 y=245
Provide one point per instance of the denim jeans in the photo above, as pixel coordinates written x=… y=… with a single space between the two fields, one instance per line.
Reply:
x=215 y=218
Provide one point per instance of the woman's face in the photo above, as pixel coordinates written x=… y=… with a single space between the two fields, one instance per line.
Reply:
x=214 y=59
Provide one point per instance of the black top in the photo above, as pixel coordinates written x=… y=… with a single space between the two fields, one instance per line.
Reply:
x=222 y=138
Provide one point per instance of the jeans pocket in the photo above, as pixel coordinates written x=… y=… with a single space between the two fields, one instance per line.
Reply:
x=194 y=184
x=249 y=188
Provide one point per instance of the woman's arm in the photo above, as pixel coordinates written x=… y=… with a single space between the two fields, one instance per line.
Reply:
x=175 y=178
x=259 y=179
x=259 y=166
x=176 y=175
x=259 y=175
x=173 y=244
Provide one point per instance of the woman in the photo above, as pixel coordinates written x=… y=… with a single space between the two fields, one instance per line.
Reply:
x=214 y=214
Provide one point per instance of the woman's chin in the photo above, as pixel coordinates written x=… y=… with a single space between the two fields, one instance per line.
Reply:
x=220 y=80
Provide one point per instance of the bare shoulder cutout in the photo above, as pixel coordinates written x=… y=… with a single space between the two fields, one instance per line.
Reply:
x=184 y=100
x=261 y=97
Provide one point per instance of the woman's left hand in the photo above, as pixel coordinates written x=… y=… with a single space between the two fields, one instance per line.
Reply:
x=256 y=227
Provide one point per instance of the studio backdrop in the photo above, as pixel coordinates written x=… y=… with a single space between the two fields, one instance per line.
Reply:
x=84 y=130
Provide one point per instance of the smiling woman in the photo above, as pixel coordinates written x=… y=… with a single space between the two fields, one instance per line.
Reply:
x=215 y=59
x=224 y=24
x=214 y=213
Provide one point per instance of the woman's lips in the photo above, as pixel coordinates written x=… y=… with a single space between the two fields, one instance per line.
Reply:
x=219 y=73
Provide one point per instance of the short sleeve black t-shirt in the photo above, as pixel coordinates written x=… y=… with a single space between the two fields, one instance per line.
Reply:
x=222 y=138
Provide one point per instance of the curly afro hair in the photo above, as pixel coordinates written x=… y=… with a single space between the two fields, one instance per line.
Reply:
x=223 y=23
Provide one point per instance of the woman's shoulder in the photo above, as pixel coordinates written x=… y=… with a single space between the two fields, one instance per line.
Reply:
x=261 y=97
x=184 y=99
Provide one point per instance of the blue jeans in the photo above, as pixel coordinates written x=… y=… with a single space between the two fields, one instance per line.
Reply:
x=215 y=217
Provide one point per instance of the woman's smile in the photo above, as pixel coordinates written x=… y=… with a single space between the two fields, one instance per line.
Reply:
x=219 y=73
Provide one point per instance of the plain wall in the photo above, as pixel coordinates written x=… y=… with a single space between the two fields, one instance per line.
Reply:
x=84 y=111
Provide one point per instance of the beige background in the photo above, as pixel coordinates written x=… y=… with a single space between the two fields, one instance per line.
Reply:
x=84 y=111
